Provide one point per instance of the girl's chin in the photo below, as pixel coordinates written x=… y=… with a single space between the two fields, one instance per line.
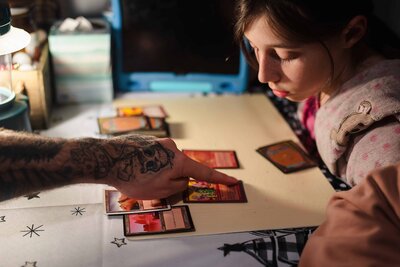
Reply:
x=295 y=99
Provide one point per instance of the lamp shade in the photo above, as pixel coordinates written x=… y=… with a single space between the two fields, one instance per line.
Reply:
x=12 y=39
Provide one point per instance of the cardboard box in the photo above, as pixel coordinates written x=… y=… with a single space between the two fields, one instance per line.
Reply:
x=82 y=64
x=39 y=90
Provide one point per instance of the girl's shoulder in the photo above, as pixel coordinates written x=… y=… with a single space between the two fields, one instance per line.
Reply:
x=383 y=69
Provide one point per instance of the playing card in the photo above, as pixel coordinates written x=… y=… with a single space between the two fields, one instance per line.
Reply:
x=177 y=219
x=134 y=125
x=287 y=156
x=117 y=203
x=222 y=159
x=203 y=192
x=120 y=125
x=149 y=111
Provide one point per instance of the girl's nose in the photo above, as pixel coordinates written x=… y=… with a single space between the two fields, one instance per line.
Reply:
x=268 y=70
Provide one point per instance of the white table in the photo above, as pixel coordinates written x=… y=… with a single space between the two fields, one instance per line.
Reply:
x=70 y=228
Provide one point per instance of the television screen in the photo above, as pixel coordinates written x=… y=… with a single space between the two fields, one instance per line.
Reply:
x=179 y=36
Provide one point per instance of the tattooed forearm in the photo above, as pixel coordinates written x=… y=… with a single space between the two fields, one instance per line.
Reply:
x=27 y=163
x=31 y=163
x=25 y=181
x=37 y=150
x=122 y=157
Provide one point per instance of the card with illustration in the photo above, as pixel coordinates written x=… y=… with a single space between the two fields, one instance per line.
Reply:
x=203 y=192
x=120 y=125
x=177 y=219
x=287 y=156
x=221 y=159
x=134 y=125
x=154 y=111
x=117 y=203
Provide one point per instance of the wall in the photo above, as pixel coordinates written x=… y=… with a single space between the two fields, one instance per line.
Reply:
x=389 y=11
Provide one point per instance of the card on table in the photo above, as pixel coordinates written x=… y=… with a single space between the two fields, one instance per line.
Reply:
x=155 y=111
x=203 y=192
x=221 y=159
x=120 y=125
x=117 y=203
x=287 y=156
x=134 y=124
x=177 y=219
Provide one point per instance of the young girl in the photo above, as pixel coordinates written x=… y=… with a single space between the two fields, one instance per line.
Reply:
x=325 y=54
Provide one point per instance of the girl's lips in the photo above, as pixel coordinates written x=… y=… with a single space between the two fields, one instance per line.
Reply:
x=279 y=93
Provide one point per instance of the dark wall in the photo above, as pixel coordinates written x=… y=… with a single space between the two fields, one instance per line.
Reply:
x=389 y=11
x=88 y=8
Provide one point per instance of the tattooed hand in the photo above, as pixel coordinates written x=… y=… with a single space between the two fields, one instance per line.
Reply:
x=151 y=168
x=139 y=166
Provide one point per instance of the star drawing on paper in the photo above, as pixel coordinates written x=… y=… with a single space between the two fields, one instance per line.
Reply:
x=33 y=230
x=33 y=195
x=78 y=211
x=119 y=242
x=29 y=264
x=2 y=218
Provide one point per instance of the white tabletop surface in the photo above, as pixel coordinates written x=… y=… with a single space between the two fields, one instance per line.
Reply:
x=71 y=228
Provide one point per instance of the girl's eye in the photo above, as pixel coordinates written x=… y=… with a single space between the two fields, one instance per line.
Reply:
x=283 y=57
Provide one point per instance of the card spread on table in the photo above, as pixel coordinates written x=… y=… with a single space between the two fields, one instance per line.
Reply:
x=222 y=159
x=203 y=192
x=117 y=203
x=155 y=111
x=287 y=156
x=177 y=219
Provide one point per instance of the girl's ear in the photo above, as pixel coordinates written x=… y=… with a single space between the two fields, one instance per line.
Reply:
x=354 y=31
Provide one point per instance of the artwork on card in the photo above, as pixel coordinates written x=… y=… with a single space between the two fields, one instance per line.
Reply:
x=120 y=125
x=117 y=203
x=204 y=192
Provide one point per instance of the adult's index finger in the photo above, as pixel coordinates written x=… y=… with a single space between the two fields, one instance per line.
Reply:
x=201 y=172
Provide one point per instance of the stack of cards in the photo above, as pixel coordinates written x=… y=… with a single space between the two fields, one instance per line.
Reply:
x=149 y=120
x=144 y=217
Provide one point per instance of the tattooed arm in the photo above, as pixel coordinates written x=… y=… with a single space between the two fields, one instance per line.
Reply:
x=139 y=166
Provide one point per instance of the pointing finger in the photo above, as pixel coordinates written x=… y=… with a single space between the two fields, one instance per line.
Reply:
x=201 y=172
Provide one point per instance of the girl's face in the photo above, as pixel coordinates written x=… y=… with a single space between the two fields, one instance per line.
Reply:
x=294 y=71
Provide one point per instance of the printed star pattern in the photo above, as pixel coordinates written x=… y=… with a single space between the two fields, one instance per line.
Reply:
x=33 y=230
x=29 y=264
x=119 y=242
x=78 y=211
x=33 y=195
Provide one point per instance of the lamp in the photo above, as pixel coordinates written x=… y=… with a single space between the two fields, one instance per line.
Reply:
x=13 y=108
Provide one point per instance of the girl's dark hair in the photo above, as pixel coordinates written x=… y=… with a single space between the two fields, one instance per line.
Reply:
x=306 y=21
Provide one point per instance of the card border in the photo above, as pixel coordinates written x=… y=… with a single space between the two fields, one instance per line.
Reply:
x=218 y=150
x=310 y=163
x=189 y=217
